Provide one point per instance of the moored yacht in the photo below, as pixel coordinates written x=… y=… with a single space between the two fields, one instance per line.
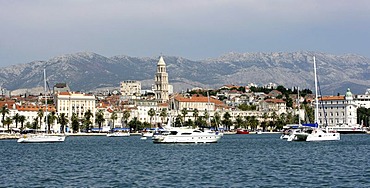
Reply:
x=347 y=129
x=119 y=132
x=187 y=135
x=40 y=138
x=312 y=132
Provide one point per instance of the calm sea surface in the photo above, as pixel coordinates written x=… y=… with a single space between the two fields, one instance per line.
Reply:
x=236 y=161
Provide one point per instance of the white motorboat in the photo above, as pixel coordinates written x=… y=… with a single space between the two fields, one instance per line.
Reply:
x=40 y=138
x=347 y=129
x=315 y=134
x=118 y=134
x=312 y=131
x=185 y=135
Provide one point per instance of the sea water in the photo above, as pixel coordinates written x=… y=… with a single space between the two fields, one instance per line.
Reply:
x=236 y=161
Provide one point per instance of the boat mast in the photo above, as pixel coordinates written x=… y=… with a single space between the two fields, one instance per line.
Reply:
x=316 y=100
x=46 y=102
x=299 y=107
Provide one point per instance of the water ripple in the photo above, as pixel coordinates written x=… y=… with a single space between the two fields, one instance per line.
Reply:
x=237 y=161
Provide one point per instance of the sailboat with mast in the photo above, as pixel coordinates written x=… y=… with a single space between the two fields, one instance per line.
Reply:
x=312 y=131
x=42 y=138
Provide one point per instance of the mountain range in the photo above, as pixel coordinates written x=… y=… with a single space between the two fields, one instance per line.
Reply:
x=86 y=71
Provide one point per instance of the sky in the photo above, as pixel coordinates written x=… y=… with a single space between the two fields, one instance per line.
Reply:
x=193 y=29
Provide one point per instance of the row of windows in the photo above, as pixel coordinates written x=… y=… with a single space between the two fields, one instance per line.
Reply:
x=334 y=107
x=336 y=114
x=335 y=102
x=331 y=121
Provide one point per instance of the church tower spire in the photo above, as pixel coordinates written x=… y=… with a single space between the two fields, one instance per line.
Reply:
x=161 y=82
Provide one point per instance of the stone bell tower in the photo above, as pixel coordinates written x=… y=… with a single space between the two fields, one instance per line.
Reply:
x=161 y=82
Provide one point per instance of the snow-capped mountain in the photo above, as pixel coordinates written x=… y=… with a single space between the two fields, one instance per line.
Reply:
x=88 y=71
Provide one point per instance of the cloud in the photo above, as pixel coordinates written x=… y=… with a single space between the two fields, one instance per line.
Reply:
x=41 y=29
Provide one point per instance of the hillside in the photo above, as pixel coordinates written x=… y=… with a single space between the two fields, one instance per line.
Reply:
x=88 y=71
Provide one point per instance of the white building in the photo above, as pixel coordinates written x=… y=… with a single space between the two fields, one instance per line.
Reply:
x=130 y=88
x=338 y=110
x=143 y=107
x=79 y=103
x=363 y=100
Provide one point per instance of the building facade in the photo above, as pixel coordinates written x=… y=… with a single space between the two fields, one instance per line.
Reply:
x=363 y=100
x=79 y=103
x=336 y=110
x=130 y=88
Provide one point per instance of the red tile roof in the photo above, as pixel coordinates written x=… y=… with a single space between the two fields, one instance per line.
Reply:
x=330 y=98
x=274 y=101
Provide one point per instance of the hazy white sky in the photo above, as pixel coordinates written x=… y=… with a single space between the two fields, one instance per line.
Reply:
x=194 y=29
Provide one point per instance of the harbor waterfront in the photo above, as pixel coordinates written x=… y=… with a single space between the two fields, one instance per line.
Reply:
x=254 y=160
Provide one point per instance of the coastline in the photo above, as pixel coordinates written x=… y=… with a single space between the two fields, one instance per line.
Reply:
x=16 y=136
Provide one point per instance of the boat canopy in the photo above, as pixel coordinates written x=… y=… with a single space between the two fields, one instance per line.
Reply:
x=310 y=125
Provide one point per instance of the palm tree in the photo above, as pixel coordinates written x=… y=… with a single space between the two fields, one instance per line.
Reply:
x=16 y=119
x=63 y=120
x=99 y=118
x=273 y=116
x=7 y=122
x=184 y=112
x=206 y=115
x=22 y=119
x=75 y=122
x=151 y=113
x=134 y=124
x=178 y=121
x=114 y=117
x=227 y=122
x=248 y=122
x=40 y=114
x=264 y=117
x=126 y=115
x=4 y=110
x=163 y=114
x=239 y=122
x=254 y=122
x=217 y=119
x=51 y=119
x=195 y=114
x=35 y=123
x=87 y=122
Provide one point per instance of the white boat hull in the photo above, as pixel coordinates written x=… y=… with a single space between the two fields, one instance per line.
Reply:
x=316 y=135
x=41 y=138
x=186 y=139
x=118 y=134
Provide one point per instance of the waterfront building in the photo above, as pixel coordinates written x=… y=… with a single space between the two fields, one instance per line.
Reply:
x=142 y=109
x=79 y=103
x=201 y=103
x=161 y=82
x=130 y=89
x=335 y=110
x=363 y=100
